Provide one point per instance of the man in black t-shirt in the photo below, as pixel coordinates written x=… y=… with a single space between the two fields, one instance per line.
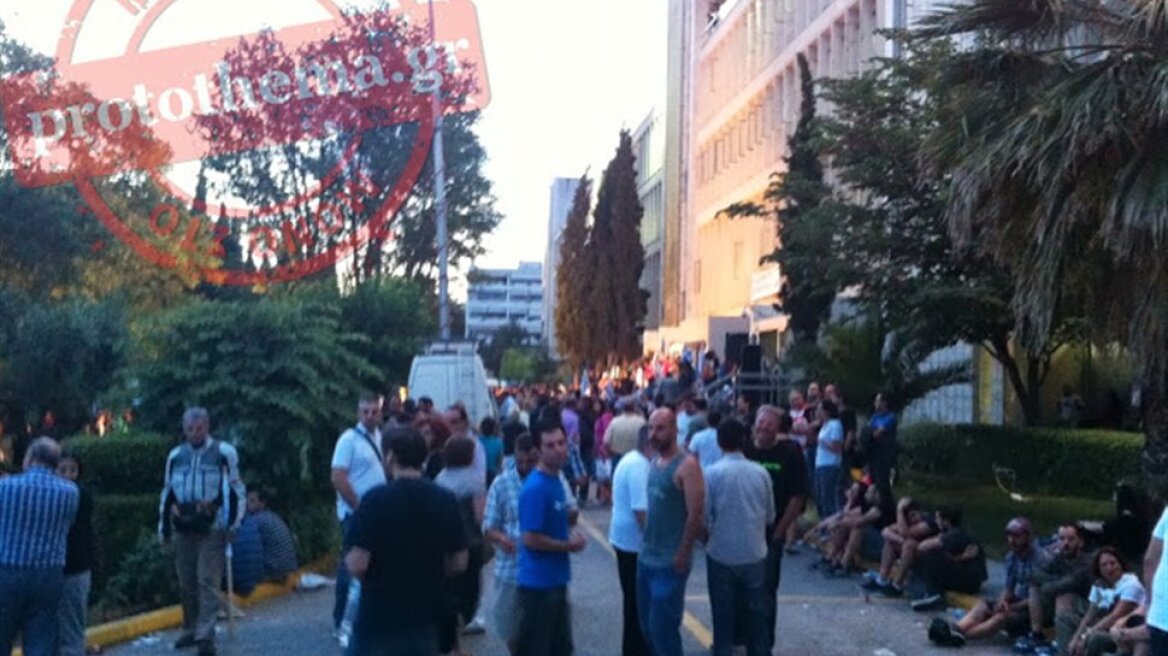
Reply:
x=853 y=455
x=407 y=539
x=953 y=560
x=782 y=457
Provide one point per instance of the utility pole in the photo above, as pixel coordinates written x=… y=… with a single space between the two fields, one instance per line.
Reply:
x=440 y=199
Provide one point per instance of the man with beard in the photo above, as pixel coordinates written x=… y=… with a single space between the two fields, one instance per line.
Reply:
x=674 y=523
x=782 y=457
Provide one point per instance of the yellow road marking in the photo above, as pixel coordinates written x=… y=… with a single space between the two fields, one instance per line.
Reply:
x=699 y=631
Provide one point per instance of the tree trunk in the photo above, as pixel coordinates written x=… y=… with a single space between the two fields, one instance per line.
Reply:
x=1028 y=396
x=1154 y=417
x=1032 y=405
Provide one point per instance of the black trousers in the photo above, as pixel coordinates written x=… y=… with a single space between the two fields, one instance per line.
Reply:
x=464 y=593
x=632 y=640
x=939 y=574
x=774 y=574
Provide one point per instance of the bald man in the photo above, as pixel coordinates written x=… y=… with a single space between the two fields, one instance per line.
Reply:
x=672 y=525
x=36 y=510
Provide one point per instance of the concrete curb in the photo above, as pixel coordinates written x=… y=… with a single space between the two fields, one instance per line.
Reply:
x=134 y=627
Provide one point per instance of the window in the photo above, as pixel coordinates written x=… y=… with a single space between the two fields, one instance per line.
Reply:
x=698 y=277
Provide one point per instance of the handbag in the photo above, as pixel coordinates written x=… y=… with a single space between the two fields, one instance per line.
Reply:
x=195 y=518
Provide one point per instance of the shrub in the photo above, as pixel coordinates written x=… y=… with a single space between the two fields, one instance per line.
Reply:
x=119 y=520
x=132 y=463
x=316 y=532
x=1084 y=463
x=279 y=377
x=145 y=579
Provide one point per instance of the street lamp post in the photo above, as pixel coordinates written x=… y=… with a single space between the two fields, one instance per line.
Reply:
x=440 y=199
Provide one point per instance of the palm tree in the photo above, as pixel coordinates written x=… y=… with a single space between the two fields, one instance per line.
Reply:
x=1055 y=147
x=864 y=357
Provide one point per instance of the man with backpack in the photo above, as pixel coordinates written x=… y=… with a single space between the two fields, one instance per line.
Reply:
x=203 y=502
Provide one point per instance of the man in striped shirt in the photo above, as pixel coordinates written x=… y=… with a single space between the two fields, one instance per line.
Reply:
x=36 y=510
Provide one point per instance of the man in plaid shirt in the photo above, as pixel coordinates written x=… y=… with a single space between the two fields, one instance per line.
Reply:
x=501 y=528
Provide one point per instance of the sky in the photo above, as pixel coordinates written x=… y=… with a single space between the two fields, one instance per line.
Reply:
x=565 y=77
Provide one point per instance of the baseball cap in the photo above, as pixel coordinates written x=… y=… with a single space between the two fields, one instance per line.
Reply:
x=1019 y=526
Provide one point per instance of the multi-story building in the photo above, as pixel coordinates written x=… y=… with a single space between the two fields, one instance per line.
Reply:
x=563 y=193
x=733 y=101
x=649 y=149
x=498 y=297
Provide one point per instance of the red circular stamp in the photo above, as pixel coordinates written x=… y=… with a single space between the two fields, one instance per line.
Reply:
x=259 y=157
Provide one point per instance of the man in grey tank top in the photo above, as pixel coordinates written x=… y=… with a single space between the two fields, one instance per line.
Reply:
x=674 y=522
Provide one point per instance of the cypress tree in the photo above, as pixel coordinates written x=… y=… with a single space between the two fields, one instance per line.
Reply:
x=805 y=239
x=616 y=259
x=572 y=280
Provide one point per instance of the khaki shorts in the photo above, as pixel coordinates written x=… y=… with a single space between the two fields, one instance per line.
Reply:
x=505 y=615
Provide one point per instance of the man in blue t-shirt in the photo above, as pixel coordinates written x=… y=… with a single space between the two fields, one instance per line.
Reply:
x=881 y=449
x=545 y=627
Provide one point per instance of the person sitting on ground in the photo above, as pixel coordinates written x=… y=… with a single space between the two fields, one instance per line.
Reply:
x=901 y=540
x=247 y=560
x=1131 y=633
x=1010 y=611
x=278 y=548
x=1130 y=530
x=1058 y=589
x=863 y=533
x=1115 y=595
x=830 y=532
x=953 y=560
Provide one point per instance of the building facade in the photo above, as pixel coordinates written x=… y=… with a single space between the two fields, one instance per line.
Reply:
x=498 y=297
x=733 y=101
x=649 y=149
x=563 y=192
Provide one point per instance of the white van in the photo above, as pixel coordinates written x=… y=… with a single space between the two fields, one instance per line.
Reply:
x=448 y=372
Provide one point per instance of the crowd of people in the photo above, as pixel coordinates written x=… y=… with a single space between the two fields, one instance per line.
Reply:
x=426 y=500
x=742 y=481
x=676 y=470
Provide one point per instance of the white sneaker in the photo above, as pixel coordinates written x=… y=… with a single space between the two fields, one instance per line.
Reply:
x=475 y=627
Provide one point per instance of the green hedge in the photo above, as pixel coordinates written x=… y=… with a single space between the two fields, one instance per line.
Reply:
x=316 y=532
x=122 y=464
x=1083 y=463
x=119 y=521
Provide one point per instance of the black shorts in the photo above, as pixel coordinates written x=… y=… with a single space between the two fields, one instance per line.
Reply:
x=545 y=623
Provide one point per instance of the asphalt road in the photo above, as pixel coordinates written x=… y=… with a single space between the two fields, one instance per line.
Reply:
x=817 y=616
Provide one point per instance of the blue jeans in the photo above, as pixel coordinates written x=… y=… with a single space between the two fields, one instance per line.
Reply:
x=827 y=491
x=71 y=614
x=738 y=598
x=342 y=590
x=660 y=605
x=29 y=600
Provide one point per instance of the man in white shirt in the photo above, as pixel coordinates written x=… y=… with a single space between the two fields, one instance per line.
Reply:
x=1156 y=579
x=357 y=468
x=630 y=505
